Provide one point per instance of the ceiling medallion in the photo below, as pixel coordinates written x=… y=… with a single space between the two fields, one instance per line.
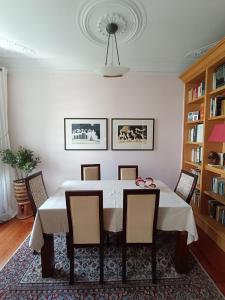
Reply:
x=112 y=18
x=128 y=14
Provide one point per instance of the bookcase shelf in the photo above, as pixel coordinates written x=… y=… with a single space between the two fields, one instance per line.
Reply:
x=194 y=122
x=192 y=164
x=202 y=73
x=215 y=196
x=215 y=170
x=193 y=143
x=218 y=90
x=197 y=100
x=217 y=118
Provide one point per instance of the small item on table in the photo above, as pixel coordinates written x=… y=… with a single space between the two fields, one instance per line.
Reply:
x=148 y=182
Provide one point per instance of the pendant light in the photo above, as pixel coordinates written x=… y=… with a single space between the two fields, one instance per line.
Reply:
x=111 y=70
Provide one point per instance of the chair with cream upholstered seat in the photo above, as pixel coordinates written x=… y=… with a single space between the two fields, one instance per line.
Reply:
x=140 y=214
x=186 y=185
x=90 y=172
x=127 y=172
x=85 y=219
x=36 y=190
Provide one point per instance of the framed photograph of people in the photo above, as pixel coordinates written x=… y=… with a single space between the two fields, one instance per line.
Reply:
x=132 y=134
x=86 y=134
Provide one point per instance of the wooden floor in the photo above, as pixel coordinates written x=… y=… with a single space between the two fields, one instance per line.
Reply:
x=12 y=235
x=14 y=232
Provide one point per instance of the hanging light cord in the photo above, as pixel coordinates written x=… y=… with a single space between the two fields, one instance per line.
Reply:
x=107 y=51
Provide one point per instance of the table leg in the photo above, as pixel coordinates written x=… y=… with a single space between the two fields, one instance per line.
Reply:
x=181 y=253
x=47 y=256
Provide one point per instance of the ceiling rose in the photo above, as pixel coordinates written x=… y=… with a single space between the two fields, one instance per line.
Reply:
x=93 y=15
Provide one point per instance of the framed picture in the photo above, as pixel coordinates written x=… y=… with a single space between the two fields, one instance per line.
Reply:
x=85 y=134
x=132 y=134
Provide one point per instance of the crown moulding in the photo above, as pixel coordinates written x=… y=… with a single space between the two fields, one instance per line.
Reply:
x=94 y=15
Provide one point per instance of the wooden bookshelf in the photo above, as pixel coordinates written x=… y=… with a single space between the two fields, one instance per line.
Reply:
x=193 y=77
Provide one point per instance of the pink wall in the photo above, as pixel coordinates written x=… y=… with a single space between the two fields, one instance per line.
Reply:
x=39 y=102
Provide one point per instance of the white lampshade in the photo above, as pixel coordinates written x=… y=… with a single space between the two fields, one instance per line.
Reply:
x=112 y=71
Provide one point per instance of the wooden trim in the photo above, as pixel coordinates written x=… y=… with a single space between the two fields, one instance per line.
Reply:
x=90 y=166
x=127 y=167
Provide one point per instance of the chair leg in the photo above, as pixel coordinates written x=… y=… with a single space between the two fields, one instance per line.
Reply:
x=154 y=279
x=68 y=244
x=124 y=271
x=101 y=257
x=71 y=265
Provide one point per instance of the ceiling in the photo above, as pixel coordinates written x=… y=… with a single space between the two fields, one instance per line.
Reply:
x=67 y=35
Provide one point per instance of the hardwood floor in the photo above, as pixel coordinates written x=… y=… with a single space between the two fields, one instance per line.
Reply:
x=14 y=232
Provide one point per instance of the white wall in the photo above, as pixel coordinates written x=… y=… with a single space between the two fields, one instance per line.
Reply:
x=39 y=102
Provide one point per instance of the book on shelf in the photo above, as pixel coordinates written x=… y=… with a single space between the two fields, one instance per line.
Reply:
x=196 y=198
x=218 y=185
x=220 y=213
x=197 y=91
x=197 y=172
x=195 y=134
x=219 y=77
x=196 y=155
x=212 y=204
x=217 y=106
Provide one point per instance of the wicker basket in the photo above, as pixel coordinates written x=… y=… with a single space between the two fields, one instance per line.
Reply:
x=21 y=195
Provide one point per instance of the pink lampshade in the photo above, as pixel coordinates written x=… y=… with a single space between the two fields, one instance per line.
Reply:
x=218 y=133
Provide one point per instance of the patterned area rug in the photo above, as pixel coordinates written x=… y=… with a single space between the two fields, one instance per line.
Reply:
x=21 y=277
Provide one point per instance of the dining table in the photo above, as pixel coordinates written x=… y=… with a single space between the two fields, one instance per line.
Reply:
x=174 y=215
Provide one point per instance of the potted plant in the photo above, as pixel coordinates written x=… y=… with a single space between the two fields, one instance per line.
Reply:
x=23 y=161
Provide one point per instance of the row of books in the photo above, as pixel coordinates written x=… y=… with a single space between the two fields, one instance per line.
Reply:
x=195 y=134
x=196 y=155
x=219 y=77
x=197 y=91
x=218 y=185
x=196 y=198
x=217 y=106
x=217 y=211
x=198 y=173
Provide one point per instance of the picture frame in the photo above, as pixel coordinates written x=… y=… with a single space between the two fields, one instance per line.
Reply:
x=85 y=133
x=132 y=134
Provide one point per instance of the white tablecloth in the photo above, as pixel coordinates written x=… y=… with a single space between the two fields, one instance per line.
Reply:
x=174 y=213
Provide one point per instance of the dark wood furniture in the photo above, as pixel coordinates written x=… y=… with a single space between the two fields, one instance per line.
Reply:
x=85 y=219
x=186 y=185
x=90 y=172
x=36 y=190
x=140 y=214
x=127 y=172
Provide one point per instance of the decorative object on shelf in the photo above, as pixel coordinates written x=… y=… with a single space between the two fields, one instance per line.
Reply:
x=132 y=134
x=110 y=69
x=86 y=133
x=23 y=161
x=148 y=182
x=213 y=158
x=218 y=135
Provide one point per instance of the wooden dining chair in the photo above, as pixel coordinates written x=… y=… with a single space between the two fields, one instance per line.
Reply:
x=186 y=185
x=36 y=190
x=140 y=213
x=85 y=219
x=127 y=172
x=90 y=172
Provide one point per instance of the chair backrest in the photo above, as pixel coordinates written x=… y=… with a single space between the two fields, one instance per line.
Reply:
x=128 y=172
x=140 y=214
x=36 y=190
x=90 y=172
x=85 y=216
x=186 y=185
